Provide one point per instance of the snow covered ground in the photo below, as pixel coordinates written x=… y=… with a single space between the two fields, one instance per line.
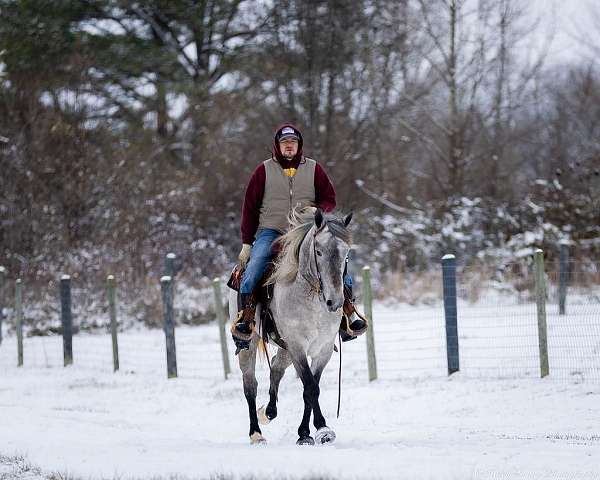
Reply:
x=494 y=420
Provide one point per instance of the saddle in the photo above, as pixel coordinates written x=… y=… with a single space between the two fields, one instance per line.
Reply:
x=262 y=296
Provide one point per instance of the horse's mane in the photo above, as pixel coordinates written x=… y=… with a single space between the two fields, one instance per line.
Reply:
x=301 y=222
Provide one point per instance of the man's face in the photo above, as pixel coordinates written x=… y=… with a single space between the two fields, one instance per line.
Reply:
x=288 y=147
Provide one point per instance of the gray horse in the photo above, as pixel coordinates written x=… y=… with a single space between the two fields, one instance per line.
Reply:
x=306 y=306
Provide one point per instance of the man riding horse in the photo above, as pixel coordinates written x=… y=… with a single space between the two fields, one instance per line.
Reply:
x=286 y=181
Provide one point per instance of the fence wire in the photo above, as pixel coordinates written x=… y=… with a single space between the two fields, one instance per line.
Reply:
x=497 y=334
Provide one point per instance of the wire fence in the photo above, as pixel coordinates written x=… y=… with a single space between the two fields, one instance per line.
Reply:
x=498 y=327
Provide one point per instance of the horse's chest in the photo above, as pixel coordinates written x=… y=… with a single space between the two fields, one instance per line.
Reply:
x=311 y=326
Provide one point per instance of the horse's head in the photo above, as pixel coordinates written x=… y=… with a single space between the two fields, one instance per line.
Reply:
x=315 y=250
x=330 y=244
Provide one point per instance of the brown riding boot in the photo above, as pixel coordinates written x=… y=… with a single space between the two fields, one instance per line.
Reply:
x=242 y=328
x=351 y=325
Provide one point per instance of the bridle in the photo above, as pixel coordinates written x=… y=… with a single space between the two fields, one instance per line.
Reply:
x=318 y=288
x=319 y=278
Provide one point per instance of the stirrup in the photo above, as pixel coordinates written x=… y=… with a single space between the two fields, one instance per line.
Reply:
x=240 y=345
x=237 y=334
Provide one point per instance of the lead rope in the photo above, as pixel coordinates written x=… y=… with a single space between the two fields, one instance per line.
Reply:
x=339 y=376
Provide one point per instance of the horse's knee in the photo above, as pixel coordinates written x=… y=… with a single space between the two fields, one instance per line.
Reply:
x=312 y=390
x=250 y=384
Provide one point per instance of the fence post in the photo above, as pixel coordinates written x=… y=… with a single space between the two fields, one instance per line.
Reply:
x=563 y=276
x=221 y=321
x=166 y=284
x=19 y=326
x=171 y=271
x=170 y=268
x=540 y=293
x=2 y=275
x=66 y=319
x=450 y=312
x=368 y=303
x=111 y=285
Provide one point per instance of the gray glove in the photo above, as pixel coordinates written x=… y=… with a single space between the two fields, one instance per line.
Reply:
x=244 y=254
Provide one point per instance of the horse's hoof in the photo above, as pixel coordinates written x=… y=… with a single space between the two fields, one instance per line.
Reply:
x=324 y=435
x=305 y=441
x=257 y=439
x=262 y=416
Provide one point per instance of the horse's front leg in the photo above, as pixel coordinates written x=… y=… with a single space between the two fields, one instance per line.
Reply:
x=280 y=362
x=324 y=433
x=247 y=360
x=311 y=400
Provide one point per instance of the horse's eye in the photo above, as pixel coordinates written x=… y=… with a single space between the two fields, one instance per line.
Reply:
x=319 y=253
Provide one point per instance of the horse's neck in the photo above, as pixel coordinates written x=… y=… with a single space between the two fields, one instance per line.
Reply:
x=305 y=271
x=303 y=285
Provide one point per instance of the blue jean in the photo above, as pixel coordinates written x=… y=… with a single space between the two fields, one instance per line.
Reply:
x=259 y=258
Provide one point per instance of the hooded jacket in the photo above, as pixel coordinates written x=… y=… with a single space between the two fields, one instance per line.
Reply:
x=268 y=211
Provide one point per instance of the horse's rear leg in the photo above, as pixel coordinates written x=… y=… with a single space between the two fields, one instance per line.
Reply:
x=280 y=362
x=247 y=360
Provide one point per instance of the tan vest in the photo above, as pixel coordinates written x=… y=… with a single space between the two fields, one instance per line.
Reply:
x=282 y=193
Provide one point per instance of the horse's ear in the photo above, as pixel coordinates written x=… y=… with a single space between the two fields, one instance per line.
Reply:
x=347 y=219
x=318 y=218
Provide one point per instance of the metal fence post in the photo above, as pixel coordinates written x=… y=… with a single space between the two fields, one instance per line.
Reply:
x=170 y=268
x=171 y=271
x=540 y=291
x=19 y=320
x=563 y=276
x=2 y=278
x=166 y=284
x=66 y=319
x=221 y=321
x=368 y=303
x=111 y=285
x=450 y=312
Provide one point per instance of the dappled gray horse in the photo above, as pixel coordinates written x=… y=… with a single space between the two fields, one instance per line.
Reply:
x=306 y=306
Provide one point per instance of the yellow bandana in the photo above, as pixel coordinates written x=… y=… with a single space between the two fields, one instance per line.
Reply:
x=289 y=172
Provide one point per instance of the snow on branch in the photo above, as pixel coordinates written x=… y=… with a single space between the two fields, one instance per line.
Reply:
x=397 y=208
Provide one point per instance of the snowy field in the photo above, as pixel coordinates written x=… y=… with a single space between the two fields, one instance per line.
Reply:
x=496 y=419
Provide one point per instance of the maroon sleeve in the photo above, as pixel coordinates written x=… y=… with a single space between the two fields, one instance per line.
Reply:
x=324 y=191
x=252 y=203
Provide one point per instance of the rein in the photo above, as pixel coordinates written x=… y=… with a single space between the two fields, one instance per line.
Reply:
x=314 y=244
x=318 y=289
x=339 y=377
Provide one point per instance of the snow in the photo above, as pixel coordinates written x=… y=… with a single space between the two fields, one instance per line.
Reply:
x=494 y=419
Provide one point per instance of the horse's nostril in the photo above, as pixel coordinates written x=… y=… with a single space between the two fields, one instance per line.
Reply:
x=329 y=303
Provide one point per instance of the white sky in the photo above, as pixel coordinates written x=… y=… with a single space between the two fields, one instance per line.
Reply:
x=569 y=19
